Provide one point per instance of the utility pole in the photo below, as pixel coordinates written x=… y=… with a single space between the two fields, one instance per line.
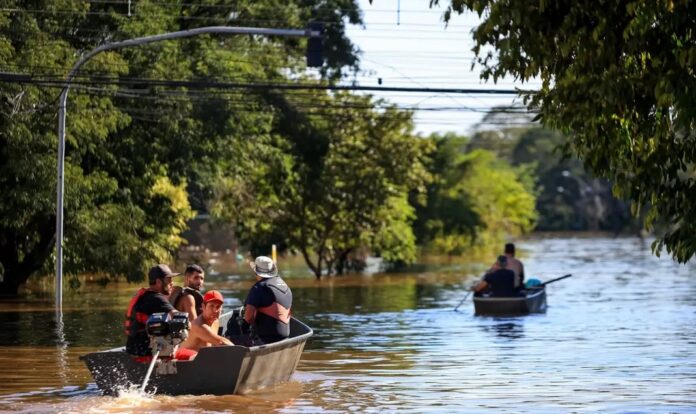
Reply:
x=314 y=33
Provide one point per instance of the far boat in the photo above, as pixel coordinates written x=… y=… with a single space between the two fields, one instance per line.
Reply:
x=532 y=299
x=217 y=370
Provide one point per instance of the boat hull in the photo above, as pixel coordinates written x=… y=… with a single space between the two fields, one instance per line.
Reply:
x=534 y=301
x=215 y=370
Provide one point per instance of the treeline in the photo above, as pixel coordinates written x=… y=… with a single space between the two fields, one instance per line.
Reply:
x=318 y=173
x=568 y=198
x=142 y=157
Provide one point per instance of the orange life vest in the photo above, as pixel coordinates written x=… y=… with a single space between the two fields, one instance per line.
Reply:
x=280 y=308
x=277 y=311
x=135 y=321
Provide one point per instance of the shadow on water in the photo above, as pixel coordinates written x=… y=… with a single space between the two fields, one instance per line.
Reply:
x=505 y=329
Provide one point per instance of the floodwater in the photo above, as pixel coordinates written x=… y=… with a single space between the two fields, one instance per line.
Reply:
x=618 y=337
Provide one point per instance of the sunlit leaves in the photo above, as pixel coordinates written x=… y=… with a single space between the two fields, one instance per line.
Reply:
x=619 y=78
x=138 y=156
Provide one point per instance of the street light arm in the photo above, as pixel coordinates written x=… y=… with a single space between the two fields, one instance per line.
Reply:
x=117 y=45
x=188 y=33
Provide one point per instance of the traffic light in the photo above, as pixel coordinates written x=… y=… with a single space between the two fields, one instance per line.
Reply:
x=315 y=57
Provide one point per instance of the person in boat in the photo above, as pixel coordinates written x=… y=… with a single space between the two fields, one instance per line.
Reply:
x=500 y=283
x=267 y=306
x=189 y=298
x=144 y=303
x=204 y=328
x=512 y=264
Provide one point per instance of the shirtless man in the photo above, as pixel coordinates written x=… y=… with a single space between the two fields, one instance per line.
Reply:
x=189 y=298
x=513 y=264
x=205 y=327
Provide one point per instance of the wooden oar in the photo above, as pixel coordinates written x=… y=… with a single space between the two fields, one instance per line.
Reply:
x=555 y=280
x=465 y=298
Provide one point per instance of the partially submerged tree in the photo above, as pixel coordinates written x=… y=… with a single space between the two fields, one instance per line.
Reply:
x=337 y=183
x=617 y=77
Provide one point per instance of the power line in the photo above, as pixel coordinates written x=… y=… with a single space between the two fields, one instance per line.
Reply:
x=28 y=79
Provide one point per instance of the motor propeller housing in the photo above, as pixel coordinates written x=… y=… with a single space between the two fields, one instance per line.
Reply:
x=167 y=331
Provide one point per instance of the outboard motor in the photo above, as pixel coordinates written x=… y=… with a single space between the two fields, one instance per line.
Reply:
x=167 y=332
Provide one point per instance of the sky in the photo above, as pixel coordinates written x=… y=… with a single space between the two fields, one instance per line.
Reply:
x=407 y=44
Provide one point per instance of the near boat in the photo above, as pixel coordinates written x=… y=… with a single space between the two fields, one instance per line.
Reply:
x=217 y=370
x=533 y=300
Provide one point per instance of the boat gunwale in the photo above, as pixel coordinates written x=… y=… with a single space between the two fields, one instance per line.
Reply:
x=509 y=298
x=251 y=350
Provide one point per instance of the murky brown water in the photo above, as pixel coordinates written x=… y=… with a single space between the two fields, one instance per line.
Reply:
x=619 y=336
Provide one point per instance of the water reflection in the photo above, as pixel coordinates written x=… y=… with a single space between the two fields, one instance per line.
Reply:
x=618 y=337
x=505 y=329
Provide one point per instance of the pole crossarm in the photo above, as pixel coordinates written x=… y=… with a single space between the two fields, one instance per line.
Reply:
x=118 y=45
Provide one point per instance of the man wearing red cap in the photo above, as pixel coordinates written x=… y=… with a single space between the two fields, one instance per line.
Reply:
x=205 y=327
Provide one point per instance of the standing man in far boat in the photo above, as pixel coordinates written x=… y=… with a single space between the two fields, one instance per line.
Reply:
x=267 y=306
x=189 y=298
x=512 y=264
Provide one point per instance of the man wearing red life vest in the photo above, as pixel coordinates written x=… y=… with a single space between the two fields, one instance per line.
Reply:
x=146 y=302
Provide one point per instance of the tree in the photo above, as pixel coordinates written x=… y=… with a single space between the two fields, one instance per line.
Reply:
x=618 y=79
x=134 y=150
x=475 y=199
x=336 y=182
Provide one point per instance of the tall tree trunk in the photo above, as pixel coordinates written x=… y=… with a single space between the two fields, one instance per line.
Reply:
x=16 y=271
x=342 y=261
x=316 y=269
x=10 y=285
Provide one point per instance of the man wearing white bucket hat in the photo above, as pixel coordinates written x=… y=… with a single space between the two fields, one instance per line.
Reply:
x=267 y=306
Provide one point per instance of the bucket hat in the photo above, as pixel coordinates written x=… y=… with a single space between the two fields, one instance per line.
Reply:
x=264 y=267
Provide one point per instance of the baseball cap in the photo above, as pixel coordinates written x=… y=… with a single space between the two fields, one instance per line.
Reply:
x=194 y=268
x=212 y=295
x=160 y=272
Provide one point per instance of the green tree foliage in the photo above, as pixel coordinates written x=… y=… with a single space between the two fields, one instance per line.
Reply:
x=336 y=183
x=618 y=78
x=135 y=150
x=475 y=199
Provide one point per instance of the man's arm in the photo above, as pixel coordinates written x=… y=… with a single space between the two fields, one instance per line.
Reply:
x=205 y=333
x=162 y=304
x=188 y=304
x=250 y=314
x=481 y=286
x=253 y=301
x=495 y=266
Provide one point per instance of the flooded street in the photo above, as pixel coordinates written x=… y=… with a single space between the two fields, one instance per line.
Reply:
x=619 y=336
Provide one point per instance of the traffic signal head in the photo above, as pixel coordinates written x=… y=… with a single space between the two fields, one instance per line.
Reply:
x=315 y=57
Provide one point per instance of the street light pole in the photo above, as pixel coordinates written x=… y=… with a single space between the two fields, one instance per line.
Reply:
x=311 y=33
